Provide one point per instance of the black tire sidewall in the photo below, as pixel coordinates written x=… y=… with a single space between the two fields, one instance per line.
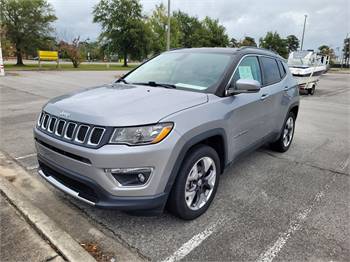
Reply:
x=279 y=145
x=285 y=148
x=177 y=202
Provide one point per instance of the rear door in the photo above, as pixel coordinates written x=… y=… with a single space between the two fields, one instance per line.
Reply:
x=274 y=79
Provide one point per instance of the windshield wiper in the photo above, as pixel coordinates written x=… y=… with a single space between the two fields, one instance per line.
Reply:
x=122 y=80
x=152 y=83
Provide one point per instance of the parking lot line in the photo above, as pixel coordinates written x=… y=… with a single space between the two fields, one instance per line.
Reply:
x=32 y=167
x=194 y=242
x=26 y=156
x=294 y=226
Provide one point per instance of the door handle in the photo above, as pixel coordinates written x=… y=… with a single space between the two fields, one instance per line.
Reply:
x=286 y=88
x=264 y=96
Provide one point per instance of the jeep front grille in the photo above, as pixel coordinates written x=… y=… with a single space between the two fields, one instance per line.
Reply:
x=71 y=131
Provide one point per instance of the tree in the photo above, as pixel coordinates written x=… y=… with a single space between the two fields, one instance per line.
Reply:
x=158 y=23
x=27 y=24
x=123 y=27
x=292 y=43
x=248 y=41
x=327 y=51
x=214 y=33
x=274 y=42
x=234 y=42
x=191 y=30
x=72 y=51
x=346 y=53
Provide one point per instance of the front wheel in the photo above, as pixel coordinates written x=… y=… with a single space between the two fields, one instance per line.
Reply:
x=196 y=183
x=285 y=140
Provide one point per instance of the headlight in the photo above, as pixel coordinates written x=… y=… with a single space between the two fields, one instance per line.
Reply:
x=141 y=135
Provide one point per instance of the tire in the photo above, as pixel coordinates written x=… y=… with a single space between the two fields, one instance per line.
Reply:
x=311 y=91
x=203 y=157
x=280 y=145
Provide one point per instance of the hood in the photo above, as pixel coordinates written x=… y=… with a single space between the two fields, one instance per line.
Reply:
x=123 y=105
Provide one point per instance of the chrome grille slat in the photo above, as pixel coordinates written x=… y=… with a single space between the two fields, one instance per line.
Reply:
x=71 y=131
x=45 y=121
x=40 y=119
x=54 y=124
x=66 y=136
x=64 y=124
x=100 y=138
x=78 y=132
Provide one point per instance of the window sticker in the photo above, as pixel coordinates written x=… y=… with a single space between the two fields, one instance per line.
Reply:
x=245 y=72
x=191 y=86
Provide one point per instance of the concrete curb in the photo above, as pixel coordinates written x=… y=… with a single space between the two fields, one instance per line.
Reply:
x=62 y=241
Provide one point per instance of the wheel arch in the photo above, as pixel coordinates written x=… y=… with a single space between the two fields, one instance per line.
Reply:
x=295 y=109
x=216 y=138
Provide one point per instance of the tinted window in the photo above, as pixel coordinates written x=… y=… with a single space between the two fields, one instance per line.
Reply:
x=282 y=69
x=270 y=70
x=248 y=69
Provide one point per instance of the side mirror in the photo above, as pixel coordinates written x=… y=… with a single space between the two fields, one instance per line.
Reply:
x=244 y=86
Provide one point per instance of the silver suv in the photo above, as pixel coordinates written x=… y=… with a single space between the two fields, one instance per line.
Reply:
x=162 y=134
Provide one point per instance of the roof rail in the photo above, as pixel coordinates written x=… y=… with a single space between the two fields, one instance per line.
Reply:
x=259 y=48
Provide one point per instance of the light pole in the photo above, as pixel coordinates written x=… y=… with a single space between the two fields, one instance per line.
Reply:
x=2 y=67
x=302 y=38
x=168 y=31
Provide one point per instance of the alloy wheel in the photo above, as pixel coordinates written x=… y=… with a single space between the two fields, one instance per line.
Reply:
x=200 y=183
x=288 y=131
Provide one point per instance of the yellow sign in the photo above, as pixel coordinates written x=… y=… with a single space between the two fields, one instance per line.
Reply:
x=48 y=55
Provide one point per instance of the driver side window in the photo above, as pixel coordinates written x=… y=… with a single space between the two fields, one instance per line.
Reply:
x=249 y=68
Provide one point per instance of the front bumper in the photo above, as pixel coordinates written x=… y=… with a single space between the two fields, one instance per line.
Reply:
x=90 y=192
x=81 y=172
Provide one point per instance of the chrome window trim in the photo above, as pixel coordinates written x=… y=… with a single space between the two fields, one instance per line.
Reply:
x=64 y=125
x=48 y=126
x=92 y=130
x=86 y=135
x=66 y=129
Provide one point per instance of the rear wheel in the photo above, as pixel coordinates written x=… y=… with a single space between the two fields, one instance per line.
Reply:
x=196 y=183
x=285 y=140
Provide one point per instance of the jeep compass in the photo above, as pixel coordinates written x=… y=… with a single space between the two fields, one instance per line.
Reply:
x=161 y=135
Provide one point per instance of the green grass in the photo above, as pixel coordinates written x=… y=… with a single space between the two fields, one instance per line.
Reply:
x=68 y=67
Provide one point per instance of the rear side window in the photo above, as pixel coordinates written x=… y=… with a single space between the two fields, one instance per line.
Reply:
x=248 y=69
x=270 y=70
x=282 y=69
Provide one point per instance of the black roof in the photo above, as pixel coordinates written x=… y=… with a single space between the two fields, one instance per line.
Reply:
x=229 y=50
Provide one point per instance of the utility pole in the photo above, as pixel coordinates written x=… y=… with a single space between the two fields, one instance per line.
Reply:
x=168 y=31
x=2 y=67
x=302 y=38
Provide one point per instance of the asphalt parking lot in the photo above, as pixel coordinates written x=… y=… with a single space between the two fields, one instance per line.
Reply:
x=269 y=206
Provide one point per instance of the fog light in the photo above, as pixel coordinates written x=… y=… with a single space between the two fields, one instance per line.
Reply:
x=131 y=176
x=141 y=177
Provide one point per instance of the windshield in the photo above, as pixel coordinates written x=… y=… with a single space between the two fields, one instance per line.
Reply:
x=196 y=71
x=301 y=58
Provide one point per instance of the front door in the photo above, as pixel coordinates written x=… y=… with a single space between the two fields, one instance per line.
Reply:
x=250 y=112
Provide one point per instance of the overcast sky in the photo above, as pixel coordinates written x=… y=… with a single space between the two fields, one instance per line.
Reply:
x=327 y=22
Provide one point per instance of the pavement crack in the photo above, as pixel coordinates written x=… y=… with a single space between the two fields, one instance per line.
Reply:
x=306 y=164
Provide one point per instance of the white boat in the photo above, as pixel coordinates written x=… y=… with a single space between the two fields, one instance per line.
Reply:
x=307 y=67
